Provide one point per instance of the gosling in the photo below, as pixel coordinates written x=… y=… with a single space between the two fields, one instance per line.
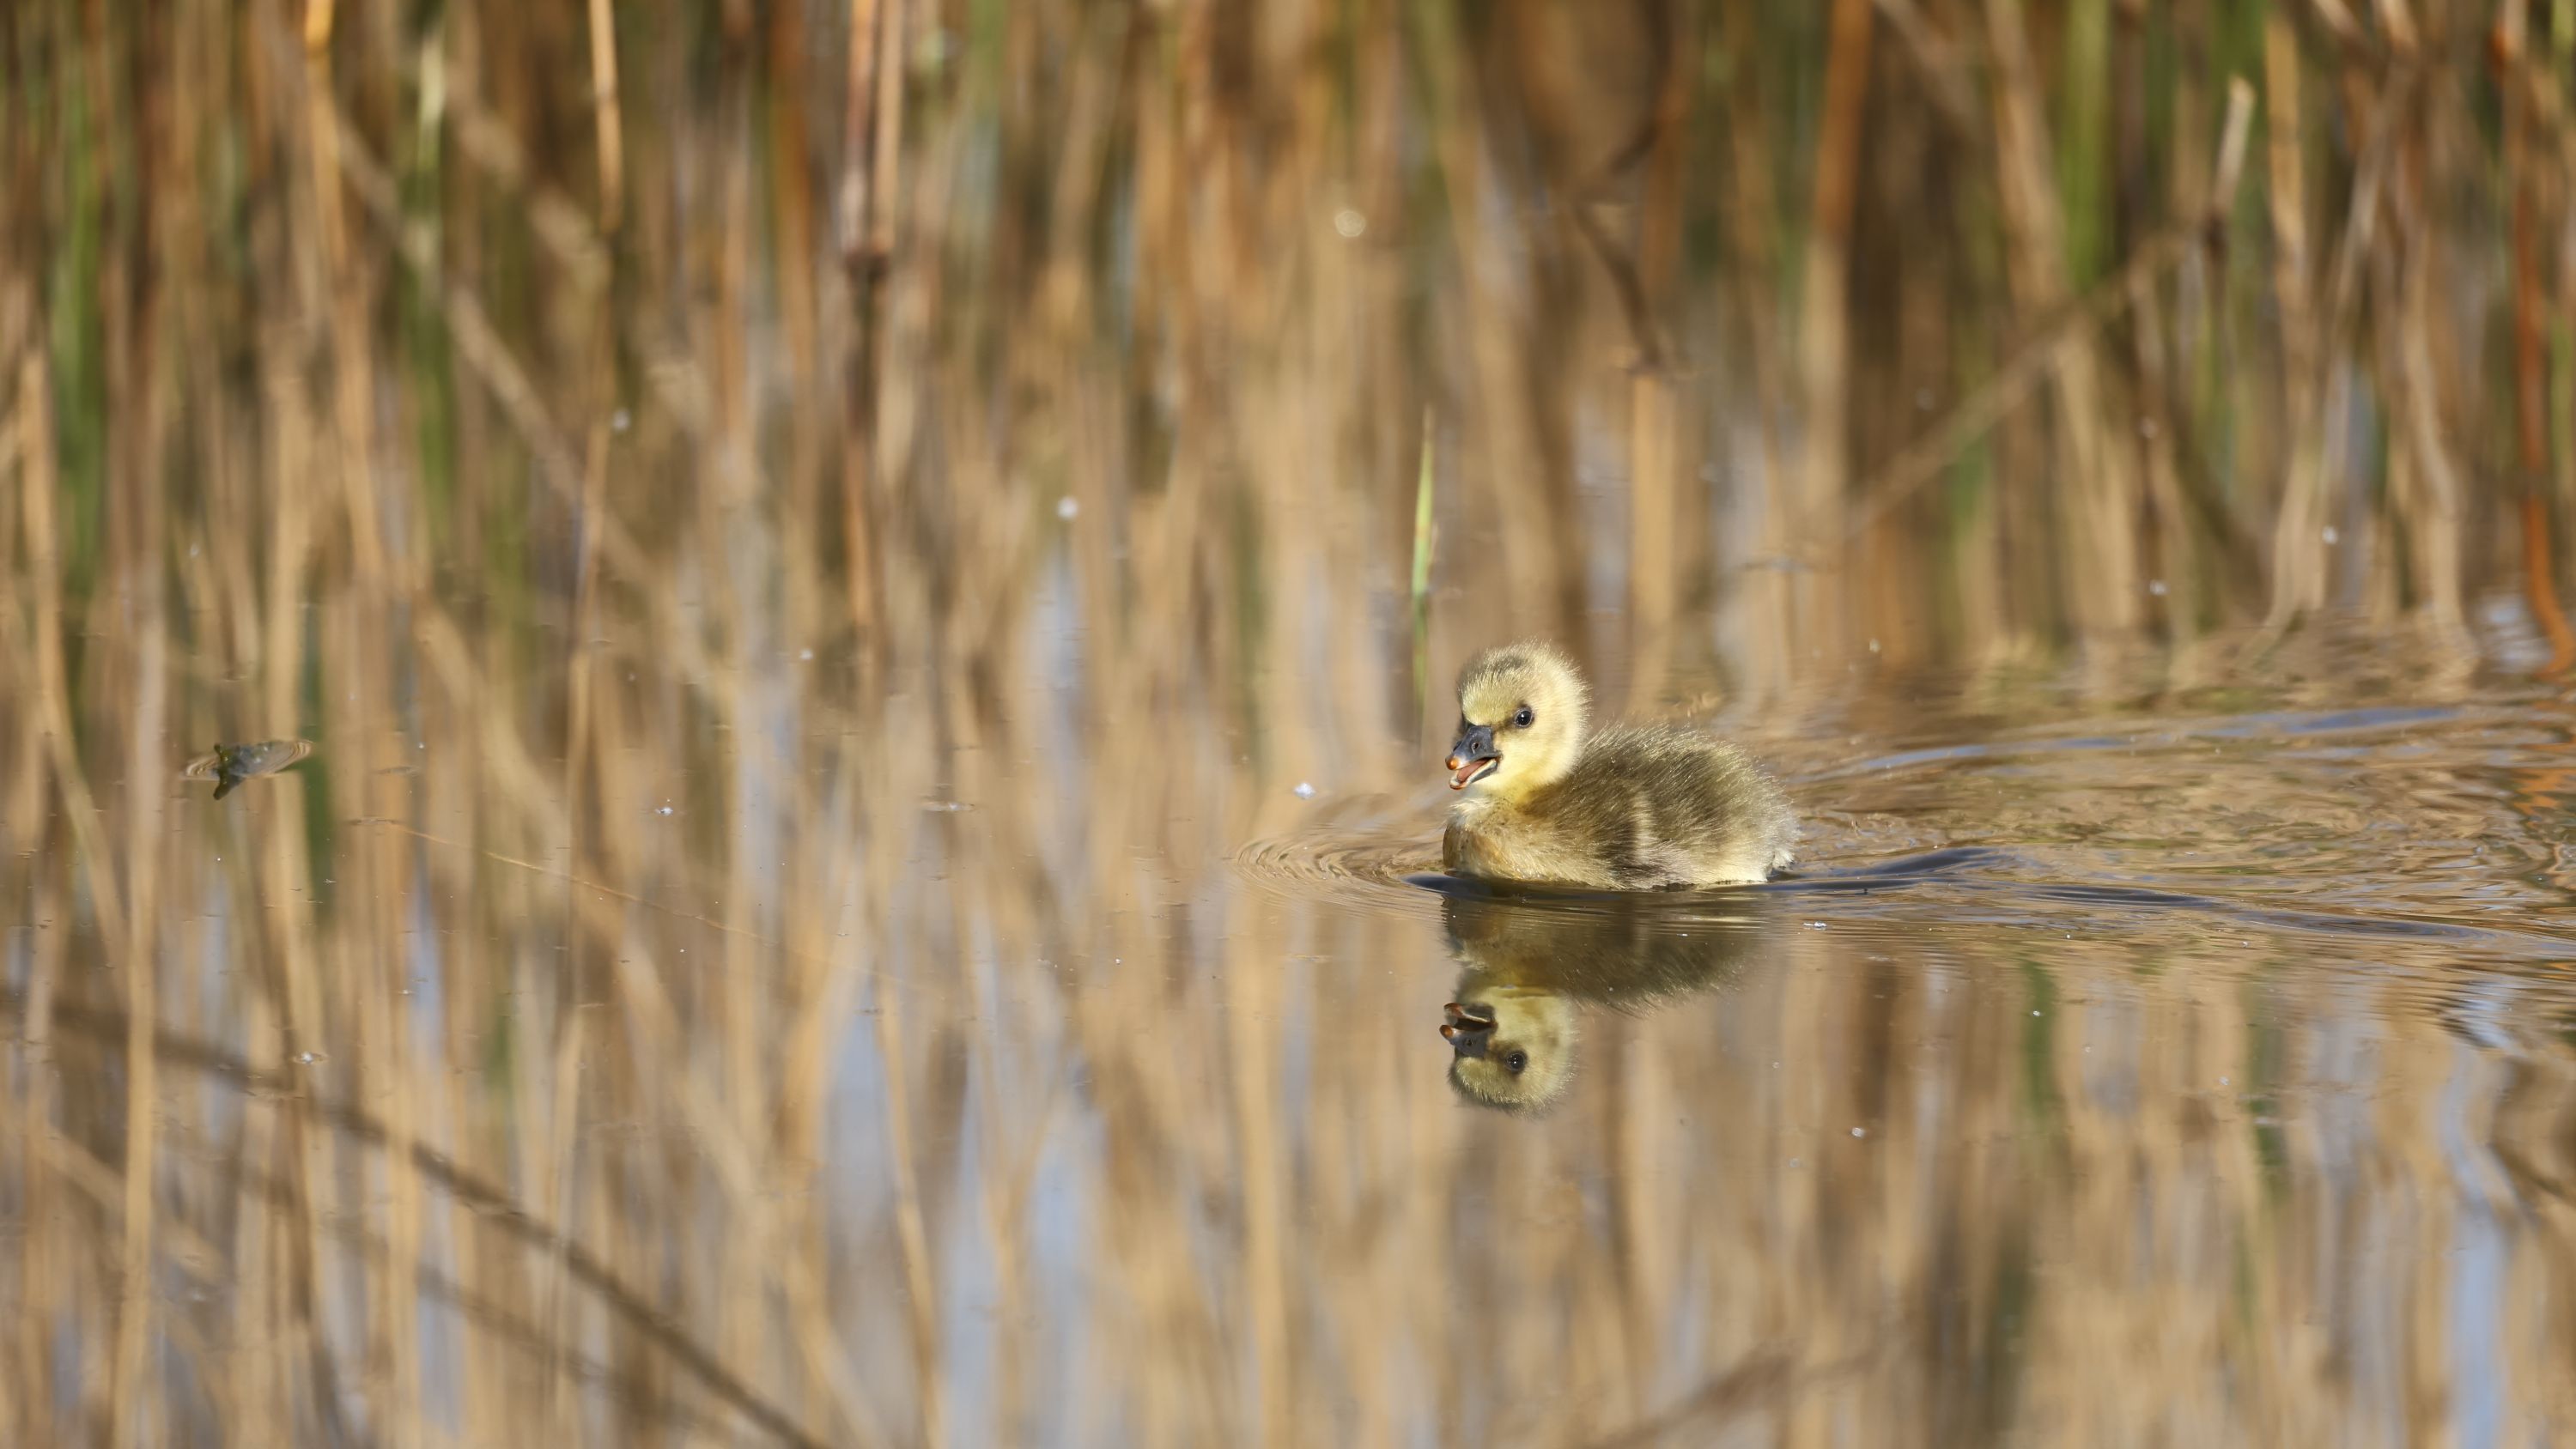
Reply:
x=1634 y=807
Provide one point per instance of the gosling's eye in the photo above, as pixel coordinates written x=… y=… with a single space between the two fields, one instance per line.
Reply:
x=1517 y=1061
x=1522 y=721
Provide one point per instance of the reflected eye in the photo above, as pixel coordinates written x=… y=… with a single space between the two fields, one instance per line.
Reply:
x=1524 y=717
x=1517 y=1061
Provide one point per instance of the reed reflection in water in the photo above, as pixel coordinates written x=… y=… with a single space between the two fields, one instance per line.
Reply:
x=816 y=548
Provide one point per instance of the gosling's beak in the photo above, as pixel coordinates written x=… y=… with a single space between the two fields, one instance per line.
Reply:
x=1468 y=1027
x=1473 y=757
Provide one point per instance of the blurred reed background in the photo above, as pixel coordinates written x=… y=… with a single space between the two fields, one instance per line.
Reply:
x=808 y=535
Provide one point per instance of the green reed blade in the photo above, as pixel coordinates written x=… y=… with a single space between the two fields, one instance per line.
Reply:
x=1422 y=580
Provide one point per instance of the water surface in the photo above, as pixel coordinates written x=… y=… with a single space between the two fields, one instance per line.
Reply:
x=2177 y=1068
x=872 y=607
x=2154 y=1074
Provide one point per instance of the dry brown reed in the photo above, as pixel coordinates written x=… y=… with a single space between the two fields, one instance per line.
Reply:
x=780 y=515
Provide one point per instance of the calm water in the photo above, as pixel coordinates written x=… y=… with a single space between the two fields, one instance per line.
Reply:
x=2195 y=1067
x=872 y=611
x=2167 y=1075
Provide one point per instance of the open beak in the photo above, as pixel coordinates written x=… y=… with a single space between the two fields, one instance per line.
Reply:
x=1473 y=757
x=1468 y=1028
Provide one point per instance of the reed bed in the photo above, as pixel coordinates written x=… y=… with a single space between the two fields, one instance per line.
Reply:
x=809 y=536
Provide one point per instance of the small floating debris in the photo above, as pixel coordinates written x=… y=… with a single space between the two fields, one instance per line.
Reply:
x=945 y=807
x=229 y=765
x=1305 y=790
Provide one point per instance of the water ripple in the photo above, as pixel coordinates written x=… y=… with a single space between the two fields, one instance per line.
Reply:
x=2431 y=830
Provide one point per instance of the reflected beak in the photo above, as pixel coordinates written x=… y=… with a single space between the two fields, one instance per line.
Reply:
x=1473 y=757
x=1468 y=1028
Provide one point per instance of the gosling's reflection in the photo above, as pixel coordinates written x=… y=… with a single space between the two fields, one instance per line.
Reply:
x=1530 y=965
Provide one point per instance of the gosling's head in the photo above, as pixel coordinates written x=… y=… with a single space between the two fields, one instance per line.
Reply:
x=1515 y=1048
x=1521 y=711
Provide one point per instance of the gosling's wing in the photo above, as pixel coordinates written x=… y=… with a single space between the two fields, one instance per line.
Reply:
x=1704 y=804
x=1757 y=806
x=1606 y=808
x=1748 y=823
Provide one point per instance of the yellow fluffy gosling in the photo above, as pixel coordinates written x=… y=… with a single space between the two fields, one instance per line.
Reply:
x=1633 y=807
